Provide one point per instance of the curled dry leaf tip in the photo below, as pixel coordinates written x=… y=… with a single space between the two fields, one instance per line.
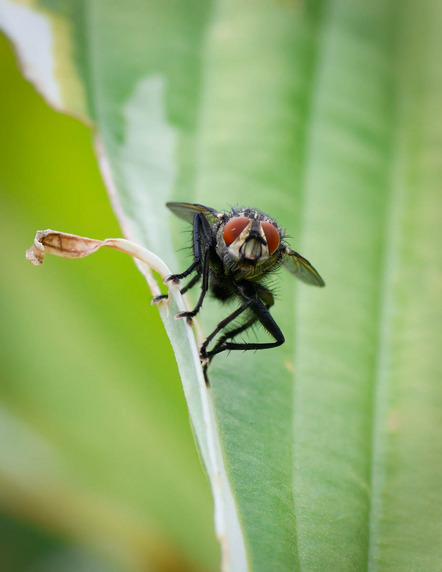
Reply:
x=60 y=244
x=68 y=245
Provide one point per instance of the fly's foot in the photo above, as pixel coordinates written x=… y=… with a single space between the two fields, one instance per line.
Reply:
x=205 y=362
x=158 y=299
x=187 y=315
x=203 y=352
x=175 y=278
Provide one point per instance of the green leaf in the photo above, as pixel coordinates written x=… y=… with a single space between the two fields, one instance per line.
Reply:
x=326 y=117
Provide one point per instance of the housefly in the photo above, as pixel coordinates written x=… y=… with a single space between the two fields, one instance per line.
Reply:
x=234 y=254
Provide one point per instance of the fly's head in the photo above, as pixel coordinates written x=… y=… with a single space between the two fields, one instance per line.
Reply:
x=249 y=241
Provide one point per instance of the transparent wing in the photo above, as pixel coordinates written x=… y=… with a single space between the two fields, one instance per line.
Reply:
x=187 y=211
x=302 y=269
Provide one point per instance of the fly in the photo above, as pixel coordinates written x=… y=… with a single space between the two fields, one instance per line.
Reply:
x=234 y=254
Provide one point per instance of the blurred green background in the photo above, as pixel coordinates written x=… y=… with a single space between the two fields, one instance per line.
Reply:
x=98 y=465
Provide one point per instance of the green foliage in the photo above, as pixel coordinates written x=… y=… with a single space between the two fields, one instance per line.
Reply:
x=326 y=117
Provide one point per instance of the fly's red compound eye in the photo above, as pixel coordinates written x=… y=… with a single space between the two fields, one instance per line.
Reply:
x=272 y=236
x=234 y=228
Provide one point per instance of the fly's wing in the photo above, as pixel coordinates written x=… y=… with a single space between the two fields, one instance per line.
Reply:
x=302 y=268
x=187 y=211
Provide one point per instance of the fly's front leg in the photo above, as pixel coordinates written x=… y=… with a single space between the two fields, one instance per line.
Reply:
x=204 y=288
x=200 y=236
x=199 y=232
x=175 y=278
x=202 y=243
x=183 y=290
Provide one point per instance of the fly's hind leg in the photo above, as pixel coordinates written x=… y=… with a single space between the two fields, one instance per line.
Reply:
x=263 y=316
x=226 y=336
x=205 y=356
x=258 y=304
x=230 y=334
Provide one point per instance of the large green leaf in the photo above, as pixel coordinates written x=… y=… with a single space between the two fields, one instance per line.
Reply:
x=326 y=116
